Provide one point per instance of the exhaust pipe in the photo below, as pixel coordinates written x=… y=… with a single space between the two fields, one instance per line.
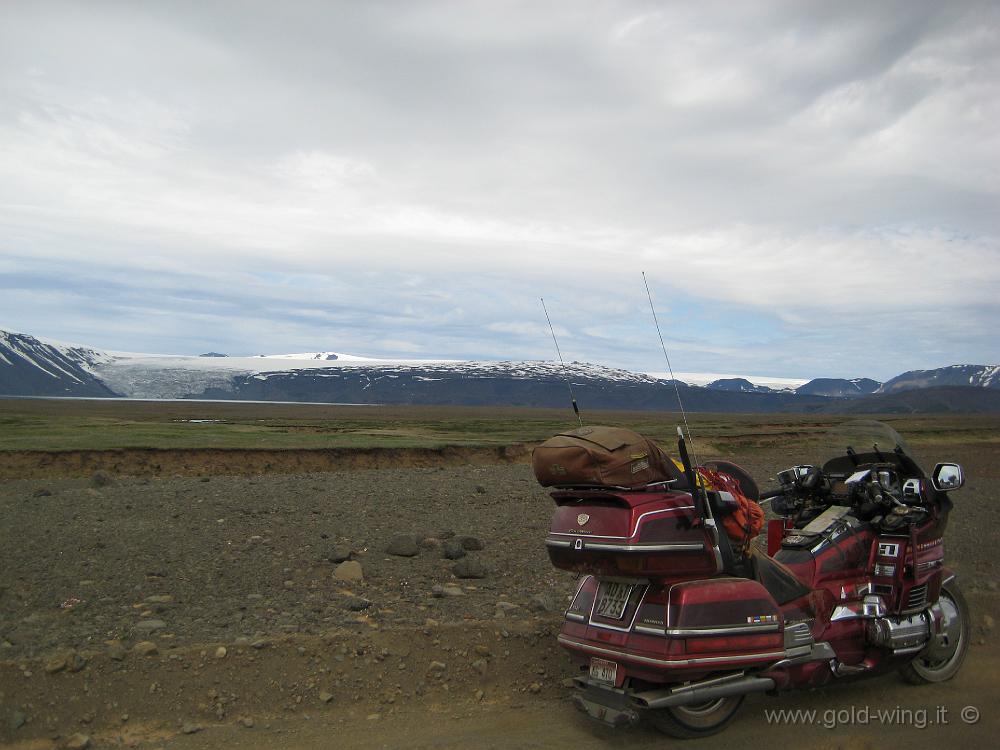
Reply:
x=702 y=691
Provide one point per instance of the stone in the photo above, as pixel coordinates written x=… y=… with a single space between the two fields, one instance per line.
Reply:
x=247 y=721
x=76 y=662
x=506 y=606
x=149 y=626
x=77 y=742
x=541 y=603
x=17 y=720
x=349 y=570
x=116 y=651
x=101 y=479
x=449 y=589
x=338 y=554
x=988 y=623
x=55 y=663
x=160 y=599
x=42 y=492
x=535 y=687
x=325 y=697
x=190 y=728
x=471 y=543
x=480 y=666
x=146 y=648
x=289 y=584
x=453 y=550
x=437 y=667
x=220 y=652
x=260 y=643
x=356 y=603
x=403 y=545
x=469 y=567
x=480 y=490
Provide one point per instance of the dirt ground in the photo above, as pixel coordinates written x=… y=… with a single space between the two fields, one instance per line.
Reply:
x=217 y=611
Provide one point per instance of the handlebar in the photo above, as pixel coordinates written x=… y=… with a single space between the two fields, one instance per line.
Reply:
x=770 y=495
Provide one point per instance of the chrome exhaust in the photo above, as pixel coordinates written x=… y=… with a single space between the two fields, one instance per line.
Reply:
x=702 y=691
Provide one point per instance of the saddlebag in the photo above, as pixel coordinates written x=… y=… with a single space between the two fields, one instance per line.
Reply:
x=602 y=457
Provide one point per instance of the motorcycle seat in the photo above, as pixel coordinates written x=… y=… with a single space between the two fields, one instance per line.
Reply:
x=780 y=582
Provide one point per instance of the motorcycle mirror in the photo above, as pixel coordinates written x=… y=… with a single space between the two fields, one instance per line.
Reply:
x=947 y=477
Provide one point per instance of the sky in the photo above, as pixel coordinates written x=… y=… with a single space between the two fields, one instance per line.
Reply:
x=812 y=189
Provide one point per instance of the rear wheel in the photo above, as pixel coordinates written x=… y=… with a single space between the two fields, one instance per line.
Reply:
x=696 y=720
x=942 y=659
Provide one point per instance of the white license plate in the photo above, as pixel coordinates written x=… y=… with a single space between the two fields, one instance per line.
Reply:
x=603 y=671
x=613 y=600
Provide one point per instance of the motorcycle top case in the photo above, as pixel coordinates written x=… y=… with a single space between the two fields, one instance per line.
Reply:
x=602 y=457
x=652 y=534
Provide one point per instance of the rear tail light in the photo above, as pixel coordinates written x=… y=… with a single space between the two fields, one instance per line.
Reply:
x=653 y=612
x=583 y=600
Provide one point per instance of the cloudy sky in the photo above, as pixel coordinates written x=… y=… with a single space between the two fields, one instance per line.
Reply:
x=811 y=188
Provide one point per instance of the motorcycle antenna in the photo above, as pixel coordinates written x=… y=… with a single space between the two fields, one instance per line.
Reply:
x=666 y=356
x=569 y=385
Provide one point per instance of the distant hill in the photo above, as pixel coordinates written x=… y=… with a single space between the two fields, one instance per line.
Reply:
x=32 y=367
x=738 y=385
x=942 y=399
x=838 y=387
x=29 y=367
x=980 y=376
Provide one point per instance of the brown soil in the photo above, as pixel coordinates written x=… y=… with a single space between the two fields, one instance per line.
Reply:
x=150 y=462
x=242 y=561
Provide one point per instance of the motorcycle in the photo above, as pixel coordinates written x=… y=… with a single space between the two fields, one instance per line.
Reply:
x=674 y=622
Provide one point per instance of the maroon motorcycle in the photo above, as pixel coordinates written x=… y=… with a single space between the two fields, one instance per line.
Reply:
x=675 y=621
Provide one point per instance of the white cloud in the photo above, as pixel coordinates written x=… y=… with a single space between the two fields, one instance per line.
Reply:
x=424 y=172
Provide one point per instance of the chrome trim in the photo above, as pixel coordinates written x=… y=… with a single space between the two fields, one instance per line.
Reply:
x=635 y=528
x=567 y=642
x=672 y=547
x=724 y=630
x=843 y=613
x=797 y=634
x=575 y=617
x=586 y=543
x=821 y=651
x=649 y=630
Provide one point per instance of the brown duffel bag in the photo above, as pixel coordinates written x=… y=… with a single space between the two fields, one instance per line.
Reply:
x=604 y=457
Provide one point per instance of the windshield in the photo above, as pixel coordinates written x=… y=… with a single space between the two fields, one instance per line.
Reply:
x=871 y=441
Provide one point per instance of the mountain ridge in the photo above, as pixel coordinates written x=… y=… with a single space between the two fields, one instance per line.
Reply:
x=33 y=367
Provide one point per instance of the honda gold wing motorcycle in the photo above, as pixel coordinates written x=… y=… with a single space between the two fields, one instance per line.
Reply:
x=678 y=616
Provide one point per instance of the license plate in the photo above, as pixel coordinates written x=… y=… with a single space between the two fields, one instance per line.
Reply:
x=613 y=600
x=603 y=671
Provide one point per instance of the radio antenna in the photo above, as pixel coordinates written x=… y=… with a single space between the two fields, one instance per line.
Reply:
x=666 y=356
x=572 y=398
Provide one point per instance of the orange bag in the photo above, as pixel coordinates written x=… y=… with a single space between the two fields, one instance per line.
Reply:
x=744 y=523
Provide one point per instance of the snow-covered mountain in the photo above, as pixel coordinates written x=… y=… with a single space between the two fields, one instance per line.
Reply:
x=981 y=376
x=33 y=367
x=839 y=387
x=30 y=367
x=738 y=385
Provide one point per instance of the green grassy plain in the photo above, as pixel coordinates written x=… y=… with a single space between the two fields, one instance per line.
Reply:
x=73 y=425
